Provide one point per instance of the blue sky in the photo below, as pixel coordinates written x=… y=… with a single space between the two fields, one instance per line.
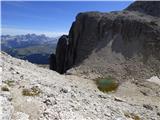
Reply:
x=51 y=18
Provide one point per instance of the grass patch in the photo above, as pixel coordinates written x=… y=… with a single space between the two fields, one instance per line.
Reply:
x=132 y=116
x=34 y=91
x=9 y=82
x=4 y=88
x=107 y=84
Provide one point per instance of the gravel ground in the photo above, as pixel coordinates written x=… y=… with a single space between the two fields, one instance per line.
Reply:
x=69 y=97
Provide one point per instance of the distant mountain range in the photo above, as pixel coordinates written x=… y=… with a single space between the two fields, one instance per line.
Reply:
x=31 y=47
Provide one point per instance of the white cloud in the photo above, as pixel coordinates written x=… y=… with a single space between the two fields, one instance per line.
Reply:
x=17 y=31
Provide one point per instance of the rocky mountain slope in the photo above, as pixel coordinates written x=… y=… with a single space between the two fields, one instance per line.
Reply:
x=29 y=92
x=122 y=44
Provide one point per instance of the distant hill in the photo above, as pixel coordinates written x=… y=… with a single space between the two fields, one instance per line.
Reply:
x=31 y=47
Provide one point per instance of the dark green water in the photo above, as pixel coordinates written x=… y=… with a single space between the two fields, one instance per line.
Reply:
x=106 y=84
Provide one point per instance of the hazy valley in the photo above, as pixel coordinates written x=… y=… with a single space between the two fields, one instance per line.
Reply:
x=31 y=47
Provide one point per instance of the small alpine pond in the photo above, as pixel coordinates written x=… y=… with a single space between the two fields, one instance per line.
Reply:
x=106 y=84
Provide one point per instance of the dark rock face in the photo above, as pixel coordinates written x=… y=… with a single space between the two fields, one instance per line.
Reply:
x=52 y=62
x=61 y=54
x=147 y=7
x=111 y=43
x=138 y=35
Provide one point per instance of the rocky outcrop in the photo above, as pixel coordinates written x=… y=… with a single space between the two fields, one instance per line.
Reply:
x=121 y=43
x=58 y=62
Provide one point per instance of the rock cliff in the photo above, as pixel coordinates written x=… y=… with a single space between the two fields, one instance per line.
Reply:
x=125 y=43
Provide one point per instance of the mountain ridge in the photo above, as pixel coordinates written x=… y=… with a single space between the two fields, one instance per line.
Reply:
x=148 y=7
x=121 y=44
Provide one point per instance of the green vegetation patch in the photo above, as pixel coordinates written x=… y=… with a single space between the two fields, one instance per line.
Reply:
x=34 y=91
x=107 y=84
x=4 y=88
x=9 y=82
x=132 y=116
